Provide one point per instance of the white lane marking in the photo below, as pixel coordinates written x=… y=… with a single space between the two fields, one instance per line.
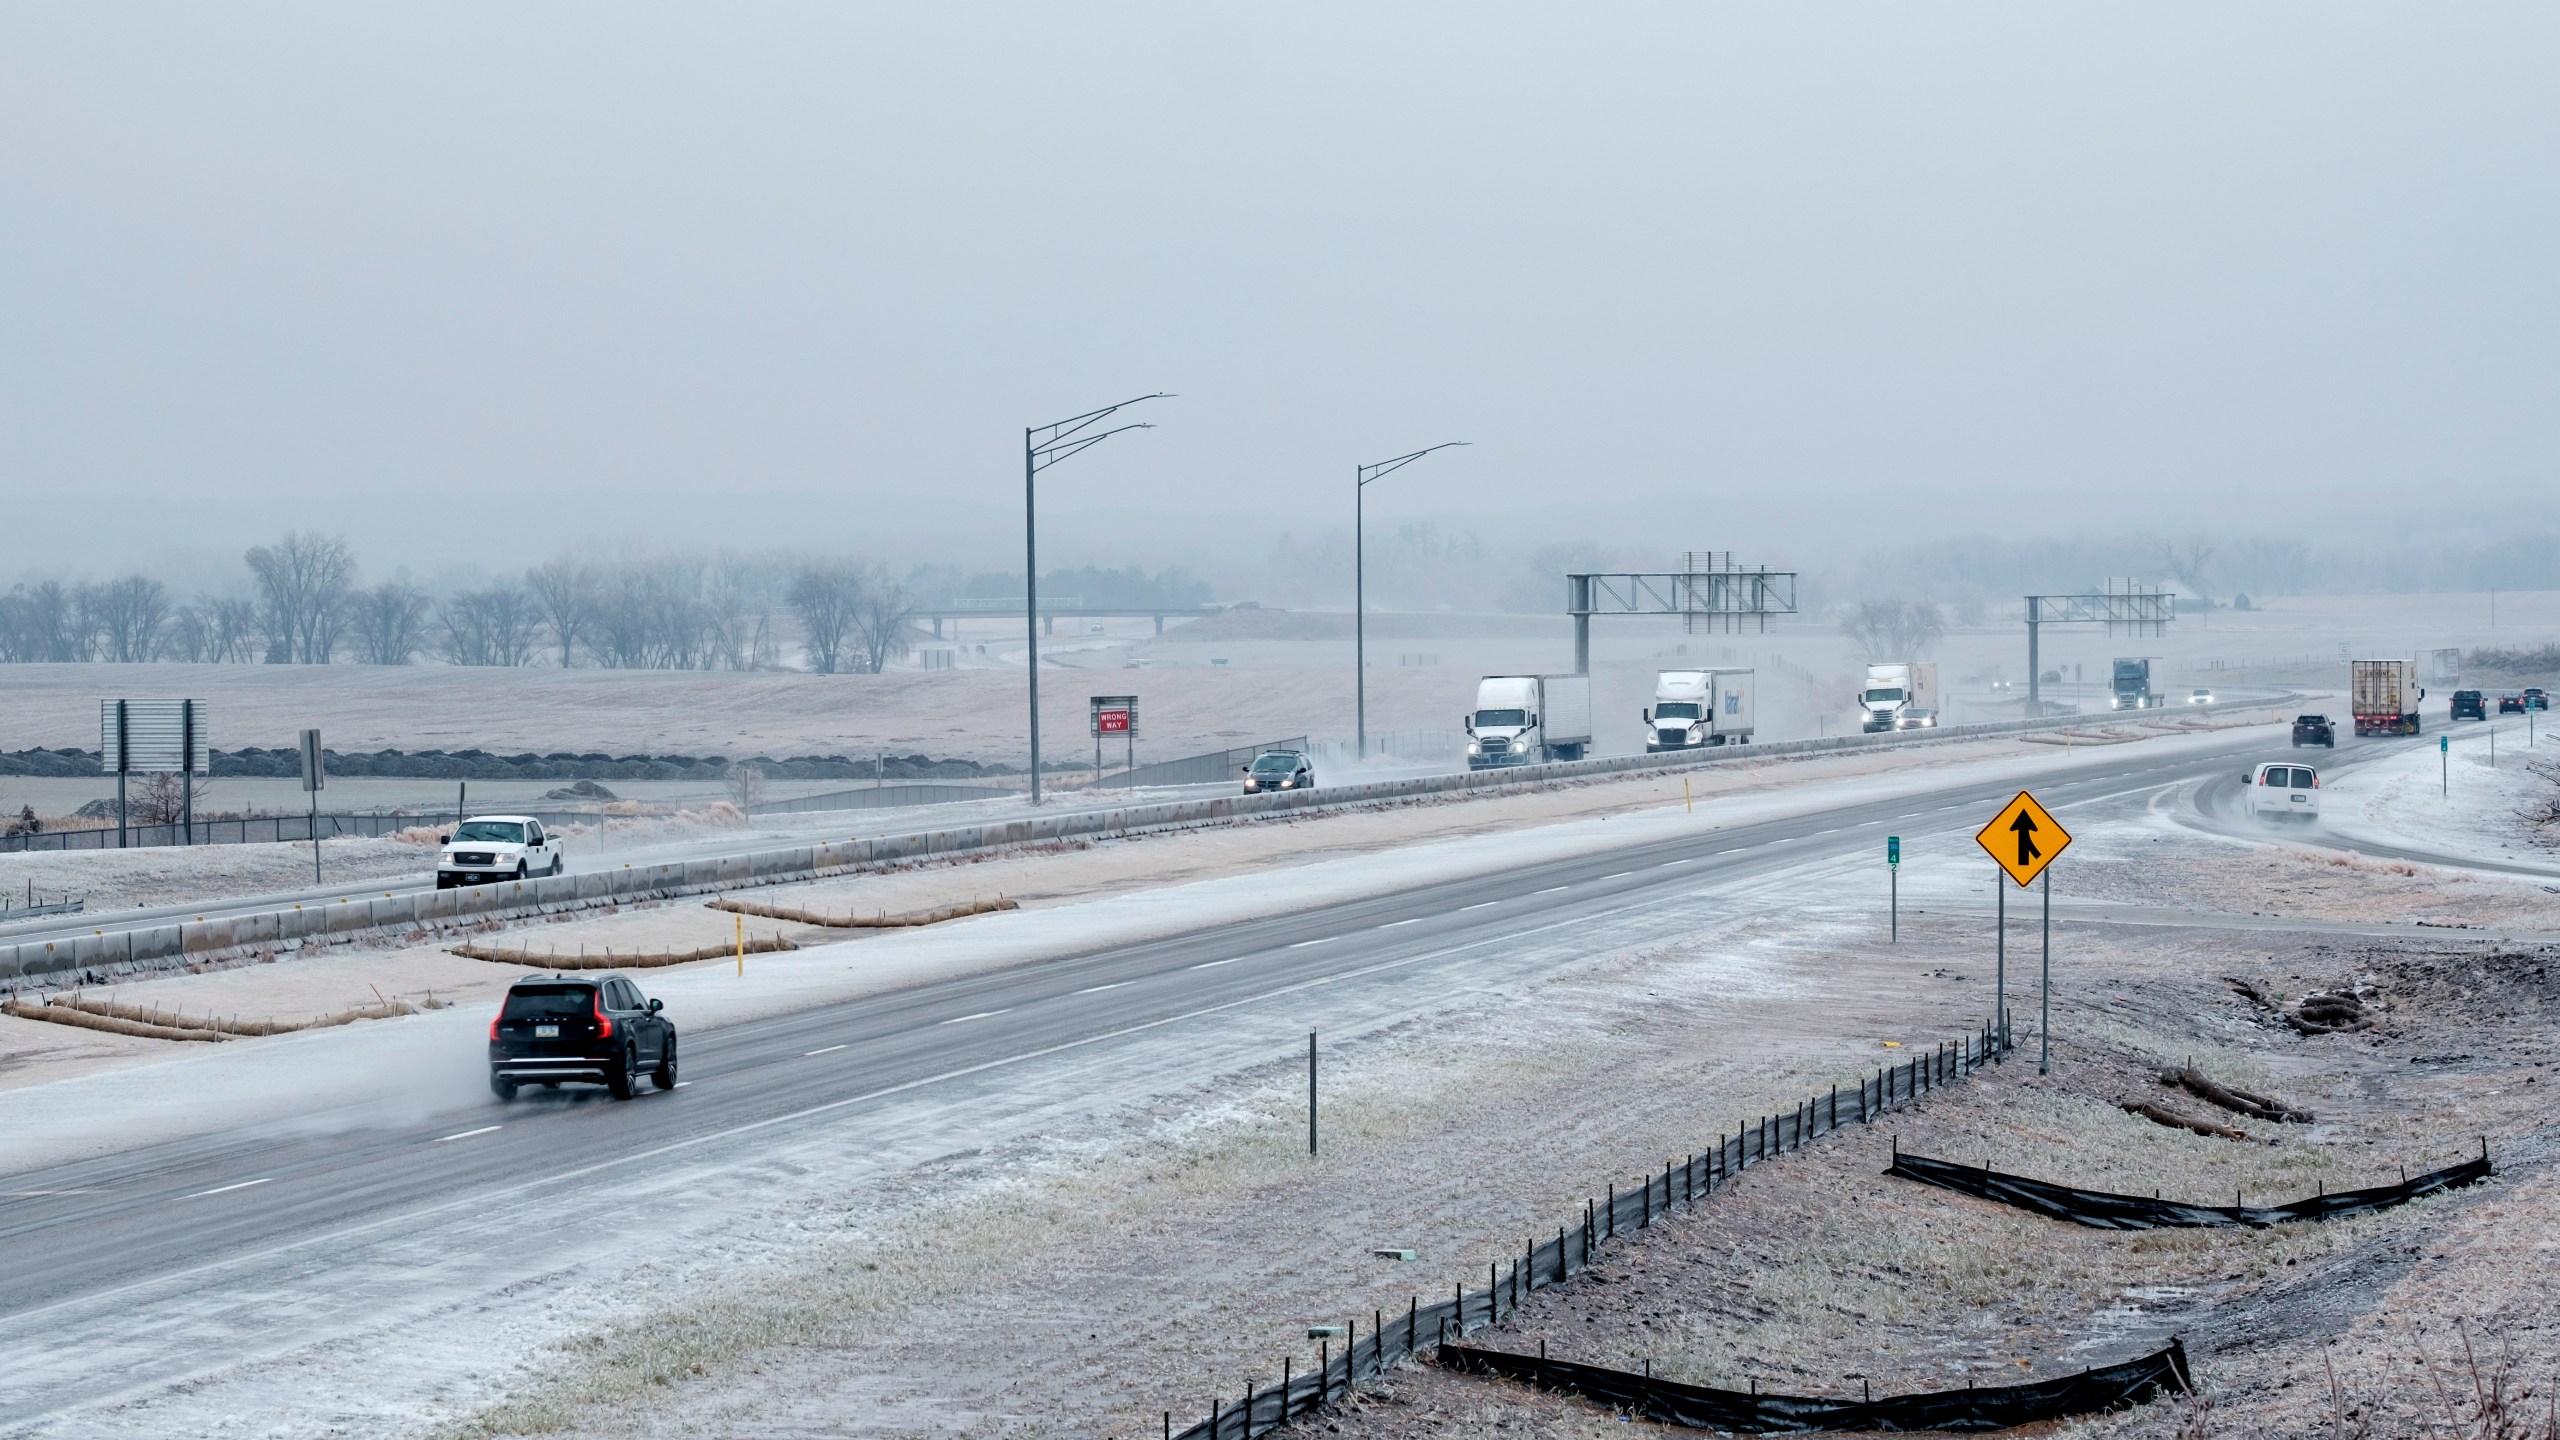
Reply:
x=1214 y=964
x=981 y=1015
x=480 y=1200
x=1487 y=905
x=1319 y=940
x=1621 y=875
x=1098 y=989
x=1390 y=925
x=466 y=1134
x=1692 y=860
x=823 y=1050
x=224 y=1189
x=1834 y=830
x=33 y=1194
x=1551 y=890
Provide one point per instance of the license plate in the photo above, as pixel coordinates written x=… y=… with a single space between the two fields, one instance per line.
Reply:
x=546 y=1032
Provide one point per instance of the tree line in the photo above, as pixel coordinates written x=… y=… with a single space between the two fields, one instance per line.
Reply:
x=307 y=605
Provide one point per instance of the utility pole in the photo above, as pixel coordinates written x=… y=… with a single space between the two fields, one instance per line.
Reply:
x=1042 y=447
x=1361 y=475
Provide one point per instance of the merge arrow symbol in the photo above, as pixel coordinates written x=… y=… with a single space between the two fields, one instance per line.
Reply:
x=2025 y=828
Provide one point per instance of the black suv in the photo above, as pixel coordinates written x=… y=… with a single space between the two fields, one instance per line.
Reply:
x=598 y=1029
x=2469 y=705
x=2314 y=730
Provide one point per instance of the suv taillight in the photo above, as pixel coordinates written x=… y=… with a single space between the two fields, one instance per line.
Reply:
x=493 y=1024
x=604 y=1022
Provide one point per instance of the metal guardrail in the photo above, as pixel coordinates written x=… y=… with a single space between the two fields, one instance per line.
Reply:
x=882 y=797
x=173 y=944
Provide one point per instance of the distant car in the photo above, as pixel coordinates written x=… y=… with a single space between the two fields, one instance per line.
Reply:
x=2535 y=699
x=587 y=1029
x=2199 y=696
x=2472 y=705
x=2284 y=792
x=1279 y=770
x=2314 y=730
x=1916 y=720
x=2510 y=703
x=489 y=848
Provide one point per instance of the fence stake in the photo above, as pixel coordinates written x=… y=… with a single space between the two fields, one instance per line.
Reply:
x=1311 y=1091
x=1647 y=1211
x=1458 y=1307
x=2404 y=1174
x=1284 y=1389
x=1412 y=1306
x=1613 y=1208
x=1214 y=1427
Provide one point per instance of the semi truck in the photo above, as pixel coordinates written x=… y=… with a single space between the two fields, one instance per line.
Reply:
x=2132 y=686
x=2385 y=694
x=1528 y=720
x=1694 y=708
x=1900 y=695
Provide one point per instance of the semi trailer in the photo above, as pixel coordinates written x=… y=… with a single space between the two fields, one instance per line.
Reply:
x=1694 y=708
x=1528 y=720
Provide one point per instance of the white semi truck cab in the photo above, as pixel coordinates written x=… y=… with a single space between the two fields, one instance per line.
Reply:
x=1900 y=695
x=1695 y=708
x=1529 y=719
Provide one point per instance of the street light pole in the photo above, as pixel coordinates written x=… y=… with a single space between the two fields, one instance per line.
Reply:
x=1042 y=447
x=1361 y=476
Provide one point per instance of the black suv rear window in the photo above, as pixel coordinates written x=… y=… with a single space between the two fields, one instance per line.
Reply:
x=549 y=1002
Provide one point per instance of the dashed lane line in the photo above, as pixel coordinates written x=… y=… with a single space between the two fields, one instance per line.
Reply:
x=466 y=1134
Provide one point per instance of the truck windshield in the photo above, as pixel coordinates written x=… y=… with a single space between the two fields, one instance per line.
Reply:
x=1890 y=696
x=1676 y=710
x=1502 y=717
x=488 y=832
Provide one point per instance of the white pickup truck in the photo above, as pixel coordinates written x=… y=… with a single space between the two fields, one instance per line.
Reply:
x=488 y=848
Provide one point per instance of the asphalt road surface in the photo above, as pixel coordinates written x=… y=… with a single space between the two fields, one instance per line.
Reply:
x=158 y=1261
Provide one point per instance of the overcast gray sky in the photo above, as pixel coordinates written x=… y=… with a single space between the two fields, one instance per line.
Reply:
x=1749 y=277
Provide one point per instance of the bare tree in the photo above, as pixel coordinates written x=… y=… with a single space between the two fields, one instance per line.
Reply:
x=489 y=627
x=827 y=596
x=189 y=637
x=235 y=629
x=130 y=613
x=885 y=617
x=1894 y=629
x=390 y=621
x=303 y=581
x=564 y=595
x=2187 y=560
x=45 y=624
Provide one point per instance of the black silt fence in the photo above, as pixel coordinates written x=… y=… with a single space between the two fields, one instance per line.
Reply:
x=1391 y=1337
x=1698 y=1407
x=2103 y=1211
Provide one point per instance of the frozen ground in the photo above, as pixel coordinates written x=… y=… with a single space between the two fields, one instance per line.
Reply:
x=1147 y=1220
x=2454 y=802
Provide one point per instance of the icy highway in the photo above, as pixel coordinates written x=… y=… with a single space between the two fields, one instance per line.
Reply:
x=127 y=1279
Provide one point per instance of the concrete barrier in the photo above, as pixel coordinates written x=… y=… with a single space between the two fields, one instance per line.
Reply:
x=166 y=946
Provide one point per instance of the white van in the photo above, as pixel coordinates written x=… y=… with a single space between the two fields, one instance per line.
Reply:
x=2278 y=792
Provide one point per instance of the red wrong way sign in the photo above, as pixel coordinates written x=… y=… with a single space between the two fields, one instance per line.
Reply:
x=1115 y=715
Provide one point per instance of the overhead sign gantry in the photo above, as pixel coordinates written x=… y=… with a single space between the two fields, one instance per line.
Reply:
x=1710 y=592
x=2125 y=607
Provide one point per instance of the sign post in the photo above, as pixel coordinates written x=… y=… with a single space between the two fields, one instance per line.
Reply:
x=2444 y=765
x=1114 y=715
x=154 y=737
x=1893 y=869
x=2023 y=840
x=314 y=776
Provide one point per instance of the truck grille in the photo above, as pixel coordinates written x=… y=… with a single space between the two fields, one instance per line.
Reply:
x=474 y=857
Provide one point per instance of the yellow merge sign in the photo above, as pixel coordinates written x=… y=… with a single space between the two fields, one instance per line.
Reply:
x=2024 y=837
